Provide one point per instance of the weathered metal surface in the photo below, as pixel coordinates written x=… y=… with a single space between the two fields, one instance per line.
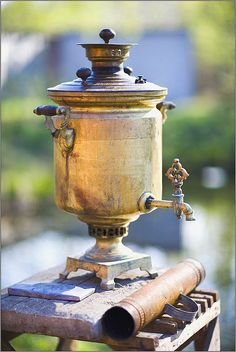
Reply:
x=143 y=306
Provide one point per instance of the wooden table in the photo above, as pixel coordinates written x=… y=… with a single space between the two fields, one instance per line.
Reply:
x=70 y=320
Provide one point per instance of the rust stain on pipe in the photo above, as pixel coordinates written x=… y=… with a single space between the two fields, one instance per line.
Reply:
x=137 y=310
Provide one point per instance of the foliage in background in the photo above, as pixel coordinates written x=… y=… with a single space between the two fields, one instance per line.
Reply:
x=201 y=134
x=211 y=24
x=27 y=153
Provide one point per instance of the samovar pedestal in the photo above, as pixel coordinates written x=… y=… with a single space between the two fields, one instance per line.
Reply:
x=109 y=257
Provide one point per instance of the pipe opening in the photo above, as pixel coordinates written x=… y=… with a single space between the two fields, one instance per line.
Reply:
x=117 y=323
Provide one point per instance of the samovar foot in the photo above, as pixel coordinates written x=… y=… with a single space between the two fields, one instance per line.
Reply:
x=63 y=275
x=107 y=284
x=72 y=264
x=152 y=272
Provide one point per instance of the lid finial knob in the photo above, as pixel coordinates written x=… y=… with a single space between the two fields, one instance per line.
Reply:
x=128 y=70
x=83 y=73
x=107 y=34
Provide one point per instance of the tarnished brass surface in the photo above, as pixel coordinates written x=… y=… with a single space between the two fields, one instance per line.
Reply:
x=114 y=158
x=132 y=313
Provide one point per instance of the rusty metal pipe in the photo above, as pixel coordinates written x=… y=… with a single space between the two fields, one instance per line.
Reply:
x=134 y=312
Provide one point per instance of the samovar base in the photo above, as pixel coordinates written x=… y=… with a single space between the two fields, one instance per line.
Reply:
x=108 y=271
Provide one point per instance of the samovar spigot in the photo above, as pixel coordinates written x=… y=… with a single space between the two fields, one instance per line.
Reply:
x=176 y=174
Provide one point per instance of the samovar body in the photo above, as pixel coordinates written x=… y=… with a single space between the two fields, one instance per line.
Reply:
x=117 y=155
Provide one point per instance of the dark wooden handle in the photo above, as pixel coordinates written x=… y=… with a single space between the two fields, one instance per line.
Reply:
x=47 y=110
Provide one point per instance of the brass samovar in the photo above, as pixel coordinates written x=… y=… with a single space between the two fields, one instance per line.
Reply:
x=107 y=132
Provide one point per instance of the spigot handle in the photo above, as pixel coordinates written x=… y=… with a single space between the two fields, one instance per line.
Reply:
x=176 y=174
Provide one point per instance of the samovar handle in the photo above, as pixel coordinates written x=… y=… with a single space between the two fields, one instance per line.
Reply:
x=163 y=107
x=68 y=134
x=48 y=111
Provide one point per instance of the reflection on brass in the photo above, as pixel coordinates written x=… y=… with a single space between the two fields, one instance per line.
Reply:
x=135 y=311
x=107 y=152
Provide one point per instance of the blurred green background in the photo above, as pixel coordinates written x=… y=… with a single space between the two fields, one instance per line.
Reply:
x=200 y=130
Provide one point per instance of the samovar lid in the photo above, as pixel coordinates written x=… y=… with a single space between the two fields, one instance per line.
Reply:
x=107 y=74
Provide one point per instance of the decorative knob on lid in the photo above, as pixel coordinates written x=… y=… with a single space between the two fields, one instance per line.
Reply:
x=83 y=73
x=128 y=70
x=107 y=34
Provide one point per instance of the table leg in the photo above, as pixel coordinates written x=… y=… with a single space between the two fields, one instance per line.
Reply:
x=67 y=345
x=6 y=346
x=7 y=336
x=209 y=338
